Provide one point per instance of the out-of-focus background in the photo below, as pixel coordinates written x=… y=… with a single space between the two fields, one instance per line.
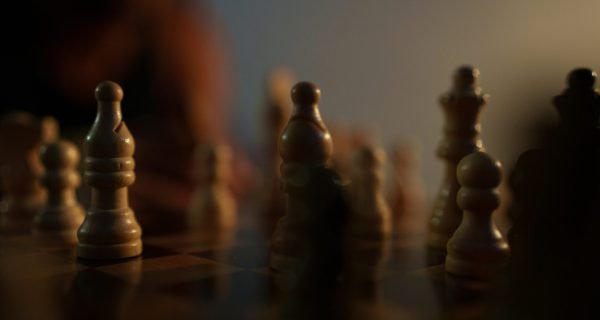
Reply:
x=193 y=71
x=383 y=64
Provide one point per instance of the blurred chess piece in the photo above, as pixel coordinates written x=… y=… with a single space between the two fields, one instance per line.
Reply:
x=62 y=215
x=277 y=110
x=407 y=196
x=341 y=134
x=20 y=168
x=212 y=206
x=369 y=226
x=307 y=246
x=371 y=216
x=461 y=106
x=110 y=229
x=477 y=250
x=347 y=139
x=556 y=227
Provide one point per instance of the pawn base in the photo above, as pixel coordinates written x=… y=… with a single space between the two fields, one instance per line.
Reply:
x=109 y=252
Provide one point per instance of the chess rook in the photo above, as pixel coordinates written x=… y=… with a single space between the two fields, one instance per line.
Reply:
x=62 y=215
x=477 y=250
x=110 y=229
x=461 y=106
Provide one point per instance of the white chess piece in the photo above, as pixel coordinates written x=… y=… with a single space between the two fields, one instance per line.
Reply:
x=110 y=230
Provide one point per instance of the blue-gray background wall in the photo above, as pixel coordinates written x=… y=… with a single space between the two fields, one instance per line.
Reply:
x=382 y=63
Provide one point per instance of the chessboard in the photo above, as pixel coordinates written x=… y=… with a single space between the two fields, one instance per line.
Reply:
x=316 y=238
x=189 y=276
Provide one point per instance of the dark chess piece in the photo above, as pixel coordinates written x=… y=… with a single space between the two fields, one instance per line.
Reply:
x=559 y=198
x=306 y=253
x=575 y=162
x=461 y=106
x=477 y=250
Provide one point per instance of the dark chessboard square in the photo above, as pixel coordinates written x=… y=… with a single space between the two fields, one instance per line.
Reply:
x=239 y=288
x=248 y=257
x=152 y=251
x=149 y=252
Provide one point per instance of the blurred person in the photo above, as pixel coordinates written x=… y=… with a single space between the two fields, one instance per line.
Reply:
x=168 y=56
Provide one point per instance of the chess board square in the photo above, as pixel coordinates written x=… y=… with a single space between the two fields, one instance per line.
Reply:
x=34 y=265
x=191 y=242
x=244 y=256
x=238 y=288
x=166 y=270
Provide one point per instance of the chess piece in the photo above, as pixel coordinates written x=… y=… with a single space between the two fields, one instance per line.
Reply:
x=110 y=230
x=556 y=188
x=579 y=105
x=461 y=106
x=277 y=111
x=21 y=168
x=371 y=216
x=369 y=226
x=477 y=250
x=62 y=215
x=306 y=251
x=407 y=198
x=213 y=207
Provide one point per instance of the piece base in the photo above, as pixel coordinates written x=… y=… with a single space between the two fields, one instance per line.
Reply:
x=55 y=237
x=110 y=251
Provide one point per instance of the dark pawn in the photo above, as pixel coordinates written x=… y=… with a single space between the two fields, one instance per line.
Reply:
x=306 y=253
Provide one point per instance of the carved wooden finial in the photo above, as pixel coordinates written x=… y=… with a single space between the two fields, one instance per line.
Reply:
x=582 y=78
x=305 y=139
x=466 y=77
x=109 y=91
x=578 y=106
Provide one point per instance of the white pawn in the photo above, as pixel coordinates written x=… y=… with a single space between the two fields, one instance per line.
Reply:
x=371 y=216
x=62 y=215
x=477 y=250
x=110 y=229
x=213 y=206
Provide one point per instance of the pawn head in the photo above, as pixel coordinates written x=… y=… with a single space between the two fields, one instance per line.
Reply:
x=109 y=91
x=466 y=76
x=479 y=170
x=58 y=155
x=582 y=78
x=305 y=93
